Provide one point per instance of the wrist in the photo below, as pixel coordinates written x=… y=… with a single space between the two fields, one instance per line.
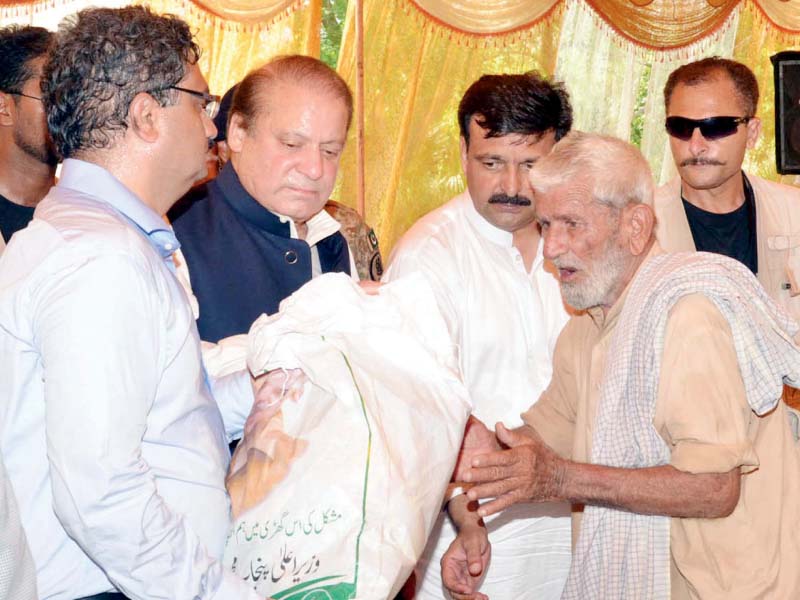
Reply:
x=562 y=478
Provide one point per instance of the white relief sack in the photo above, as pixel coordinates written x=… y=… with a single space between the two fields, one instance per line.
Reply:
x=336 y=487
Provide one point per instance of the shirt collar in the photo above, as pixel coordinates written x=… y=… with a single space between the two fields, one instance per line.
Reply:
x=319 y=226
x=484 y=228
x=607 y=320
x=97 y=182
x=231 y=188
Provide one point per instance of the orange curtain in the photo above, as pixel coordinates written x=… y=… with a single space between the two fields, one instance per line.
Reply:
x=613 y=56
x=658 y=24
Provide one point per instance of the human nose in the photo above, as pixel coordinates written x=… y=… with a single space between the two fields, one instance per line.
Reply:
x=311 y=163
x=512 y=181
x=697 y=143
x=555 y=241
x=208 y=124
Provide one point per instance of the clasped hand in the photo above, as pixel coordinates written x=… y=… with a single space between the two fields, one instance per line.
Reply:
x=521 y=468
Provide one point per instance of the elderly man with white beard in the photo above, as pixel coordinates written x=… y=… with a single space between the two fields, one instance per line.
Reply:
x=663 y=418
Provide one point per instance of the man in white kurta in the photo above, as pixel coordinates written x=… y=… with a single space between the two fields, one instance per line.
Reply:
x=481 y=253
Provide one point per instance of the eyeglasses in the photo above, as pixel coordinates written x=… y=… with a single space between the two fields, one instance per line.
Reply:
x=712 y=128
x=210 y=101
x=25 y=95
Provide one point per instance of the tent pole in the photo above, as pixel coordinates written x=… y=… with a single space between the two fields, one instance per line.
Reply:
x=360 y=160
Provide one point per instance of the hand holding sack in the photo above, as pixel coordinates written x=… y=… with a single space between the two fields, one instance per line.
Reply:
x=341 y=472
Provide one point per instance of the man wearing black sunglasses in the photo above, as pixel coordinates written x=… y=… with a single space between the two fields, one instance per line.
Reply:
x=713 y=205
x=27 y=159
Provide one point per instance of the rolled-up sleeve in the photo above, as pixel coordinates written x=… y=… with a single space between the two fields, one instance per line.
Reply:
x=100 y=336
x=702 y=410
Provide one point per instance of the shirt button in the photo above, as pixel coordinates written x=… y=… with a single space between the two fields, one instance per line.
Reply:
x=290 y=257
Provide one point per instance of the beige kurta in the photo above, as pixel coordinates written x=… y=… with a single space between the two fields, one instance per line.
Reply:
x=703 y=415
x=777 y=234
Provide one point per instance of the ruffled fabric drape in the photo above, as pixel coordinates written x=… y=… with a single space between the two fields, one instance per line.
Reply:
x=420 y=56
x=235 y=35
x=656 y=24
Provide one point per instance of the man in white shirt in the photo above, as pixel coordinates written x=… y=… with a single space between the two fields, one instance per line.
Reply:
x=482 y=254
x=110 y=433
x=17 y=572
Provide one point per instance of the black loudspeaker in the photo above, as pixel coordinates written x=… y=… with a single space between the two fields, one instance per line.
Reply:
x=787 y=111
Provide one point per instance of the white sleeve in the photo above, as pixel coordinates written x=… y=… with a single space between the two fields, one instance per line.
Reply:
x=101 y=340
x=432 y=261
x=233 y=394
x=17 y=572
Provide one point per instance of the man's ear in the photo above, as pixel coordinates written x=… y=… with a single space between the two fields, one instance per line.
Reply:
x=464 y=149
x=753 y=131
x=8 y=110
x=641 y=221
x=237 y=131
x=143 y=114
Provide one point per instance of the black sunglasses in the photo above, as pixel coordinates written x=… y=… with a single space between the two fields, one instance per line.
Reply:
x=712 y=128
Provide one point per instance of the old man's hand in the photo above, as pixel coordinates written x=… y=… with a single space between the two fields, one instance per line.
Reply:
x=528 y=471
x=478 y=439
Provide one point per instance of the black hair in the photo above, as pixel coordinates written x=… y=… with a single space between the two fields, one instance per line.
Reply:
x=708 y=69
x=525 y=104
x=103 y=58
x=19 y=45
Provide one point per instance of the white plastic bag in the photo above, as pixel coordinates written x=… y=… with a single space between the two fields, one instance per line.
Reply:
x=350 y=471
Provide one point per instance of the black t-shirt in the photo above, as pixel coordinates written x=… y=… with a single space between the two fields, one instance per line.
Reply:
x=732 y=234
x=13 y=217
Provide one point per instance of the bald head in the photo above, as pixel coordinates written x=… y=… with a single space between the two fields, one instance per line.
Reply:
x=257 y=89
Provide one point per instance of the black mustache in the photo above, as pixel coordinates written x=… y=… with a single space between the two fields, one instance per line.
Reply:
x=513 y=200
x=701 y=161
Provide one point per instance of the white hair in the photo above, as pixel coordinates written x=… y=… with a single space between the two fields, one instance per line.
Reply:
x=618 y=173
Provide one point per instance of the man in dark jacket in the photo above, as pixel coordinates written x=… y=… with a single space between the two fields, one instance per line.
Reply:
x=258 y=232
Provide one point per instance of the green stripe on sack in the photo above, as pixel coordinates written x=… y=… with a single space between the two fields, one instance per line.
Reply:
x=366 y=475
x=305 y=591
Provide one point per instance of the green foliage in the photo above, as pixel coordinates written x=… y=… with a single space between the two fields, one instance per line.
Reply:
x=637 y=125
x=333 y=14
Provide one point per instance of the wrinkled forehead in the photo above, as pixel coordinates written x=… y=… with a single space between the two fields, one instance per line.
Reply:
x=716 y=92
x=569 y=201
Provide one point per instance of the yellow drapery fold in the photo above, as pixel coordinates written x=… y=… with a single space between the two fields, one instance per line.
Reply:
x=416 y=71
x=756 y=40
x=247 y=11
x=230 y=49
x=417 y=68
x=785 y=14
x=664 y=24
x=654 y=24
x=486 y=16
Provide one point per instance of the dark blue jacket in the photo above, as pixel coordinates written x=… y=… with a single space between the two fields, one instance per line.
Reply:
x=241 y=259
